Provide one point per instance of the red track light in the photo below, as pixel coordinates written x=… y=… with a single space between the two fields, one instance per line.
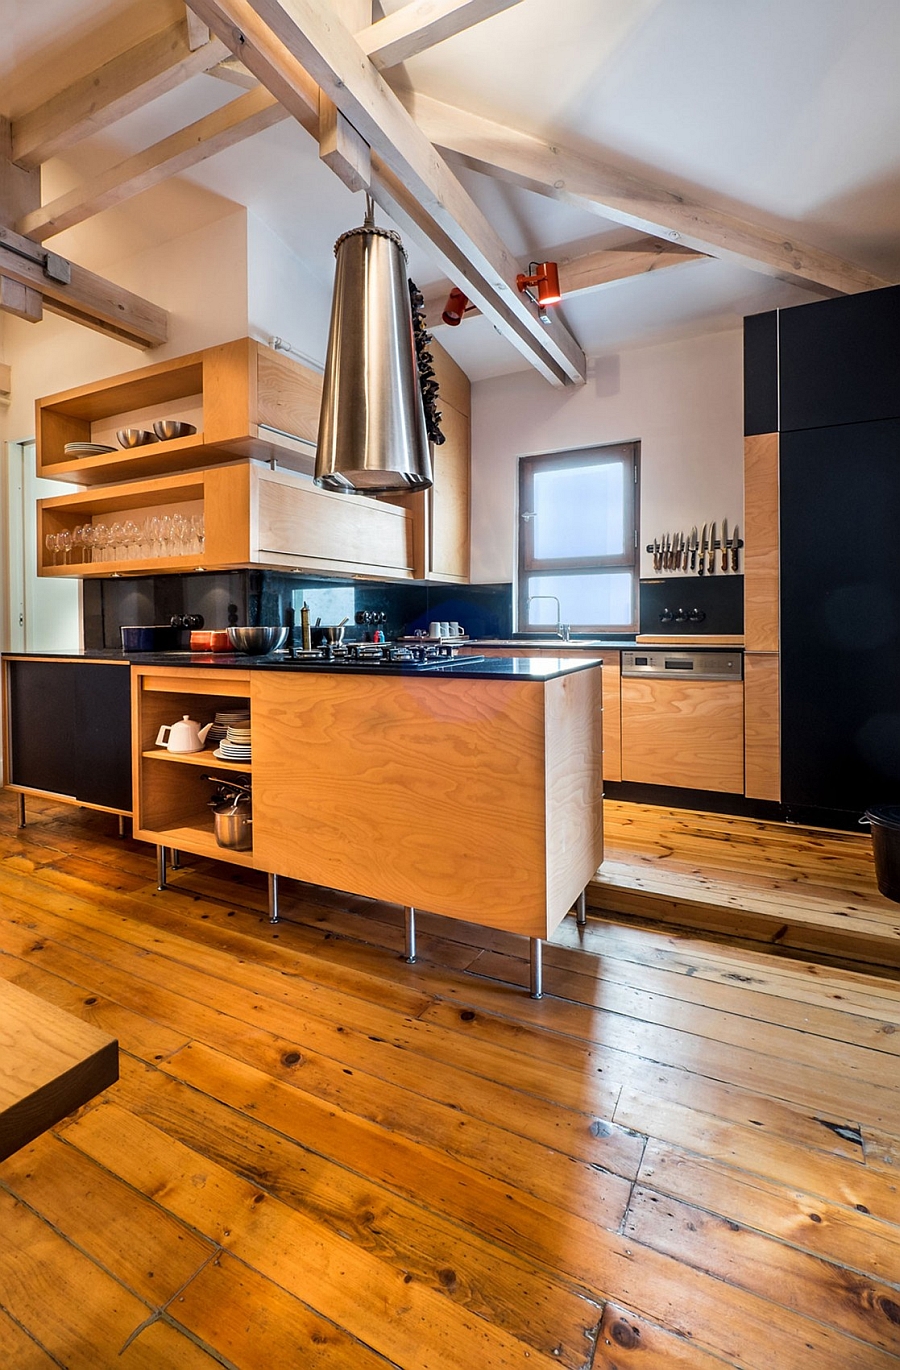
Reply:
x=456 y=306
x=545 y=279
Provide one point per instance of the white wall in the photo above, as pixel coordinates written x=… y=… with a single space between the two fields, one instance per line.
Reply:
x=682 y=400
x=285 y=299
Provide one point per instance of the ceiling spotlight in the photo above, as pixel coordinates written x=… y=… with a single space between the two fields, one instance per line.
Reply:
x=456 y=306
x=545 y=279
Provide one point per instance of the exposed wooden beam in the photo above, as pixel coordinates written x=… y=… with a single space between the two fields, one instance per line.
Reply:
x=265 y=32
x=20 y=190
x=588 y=272
x=20 y=300
x=84 y=296
x=198 y=33
x=342 y=148
x=420 y=24
x=618 y=195
x=231 y=124
x=122 y=85
x=235 y=72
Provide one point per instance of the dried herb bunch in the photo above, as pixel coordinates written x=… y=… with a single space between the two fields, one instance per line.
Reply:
x=427 y=379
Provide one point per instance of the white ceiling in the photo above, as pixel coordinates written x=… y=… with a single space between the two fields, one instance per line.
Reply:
x=784 y=111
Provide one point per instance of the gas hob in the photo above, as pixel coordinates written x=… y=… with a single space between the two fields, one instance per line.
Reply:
x=429 y=656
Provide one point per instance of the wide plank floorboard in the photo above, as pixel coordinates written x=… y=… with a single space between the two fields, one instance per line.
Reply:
x=685 y=1156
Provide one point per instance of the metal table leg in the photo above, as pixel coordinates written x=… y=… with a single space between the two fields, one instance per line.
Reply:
x=20 y=810
x=410 y=920
x=121 y=825
x=537 y=976
x=160 y=868
x=273 y=898
x=581 y=909
x=176 y=859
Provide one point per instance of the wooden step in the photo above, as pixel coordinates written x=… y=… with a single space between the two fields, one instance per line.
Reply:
x=806 y=889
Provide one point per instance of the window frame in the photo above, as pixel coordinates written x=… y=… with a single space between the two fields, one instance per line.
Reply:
x=626 y=453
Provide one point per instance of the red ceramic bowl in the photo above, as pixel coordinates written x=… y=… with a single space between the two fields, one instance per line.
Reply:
x=209 y=640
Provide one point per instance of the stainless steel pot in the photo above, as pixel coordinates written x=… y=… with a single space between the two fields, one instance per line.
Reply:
x=233 y=827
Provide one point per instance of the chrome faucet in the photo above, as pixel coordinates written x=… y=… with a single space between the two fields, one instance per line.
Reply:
x=562 y=629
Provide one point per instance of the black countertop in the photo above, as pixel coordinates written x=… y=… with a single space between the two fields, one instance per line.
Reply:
x=492 y=668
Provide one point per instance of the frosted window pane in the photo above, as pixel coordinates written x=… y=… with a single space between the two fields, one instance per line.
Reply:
x=579 y=512
x=598 y=598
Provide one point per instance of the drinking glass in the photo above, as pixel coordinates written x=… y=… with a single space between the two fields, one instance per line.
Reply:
x=101 y=540
x=51 y=542
x=117 y=541
x=199 y=531
x=180 y=529
x=153 y=528
x=132 y=535
x=165 y=535
x=64 y=541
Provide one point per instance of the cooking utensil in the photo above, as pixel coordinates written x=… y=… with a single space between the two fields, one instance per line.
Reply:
x=155 y=637
x=713 y=544
x=135 y=437
x=656 y=561
x=694 y=543
x=725 y=544
x=328 y=633
x=704 y=547
x=257 y=641
x=736 y=544
x=166 y=429
x=209 y=640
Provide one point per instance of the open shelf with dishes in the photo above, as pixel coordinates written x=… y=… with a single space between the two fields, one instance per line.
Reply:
x=172 y=790
x=242 y=514
x=243 y=399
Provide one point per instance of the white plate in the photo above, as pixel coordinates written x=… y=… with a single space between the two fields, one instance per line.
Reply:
x=223 y=756
x=86 y=449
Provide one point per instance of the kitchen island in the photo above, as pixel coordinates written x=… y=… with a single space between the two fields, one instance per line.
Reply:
x=472 y=791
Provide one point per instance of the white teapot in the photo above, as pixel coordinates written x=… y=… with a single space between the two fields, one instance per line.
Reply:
x=186 y=736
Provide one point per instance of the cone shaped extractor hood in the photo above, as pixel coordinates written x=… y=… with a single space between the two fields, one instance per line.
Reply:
x=372 y=434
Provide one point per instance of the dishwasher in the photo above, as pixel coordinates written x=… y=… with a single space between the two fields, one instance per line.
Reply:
x=683 y=719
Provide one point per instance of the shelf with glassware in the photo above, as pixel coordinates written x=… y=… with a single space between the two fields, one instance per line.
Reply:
x=242 y=398
x=172 y=790
x=243 y=514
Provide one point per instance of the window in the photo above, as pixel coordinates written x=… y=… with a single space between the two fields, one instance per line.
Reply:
x=578 y=539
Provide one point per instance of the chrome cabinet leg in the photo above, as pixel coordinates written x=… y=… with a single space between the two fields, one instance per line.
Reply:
x=581 y=909
x=410 y=921
x=121 y=825
x=176 y=859
x=20 y=810
x=537 y=968
x=273 y=898
x=160 y=868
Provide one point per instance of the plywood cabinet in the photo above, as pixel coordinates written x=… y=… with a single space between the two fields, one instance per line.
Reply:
x=684 y=733
x=251 y=516
x=244 y=399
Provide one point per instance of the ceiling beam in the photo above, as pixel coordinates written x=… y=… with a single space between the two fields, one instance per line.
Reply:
x=589 y=183
x=264 y=32
x=588 y=272
x=231 y=124
x=81 y=295
x=421 y=24
x=20 y=300
x=119 y=87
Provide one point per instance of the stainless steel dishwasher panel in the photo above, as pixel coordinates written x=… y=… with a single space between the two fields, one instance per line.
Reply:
x=686 y=665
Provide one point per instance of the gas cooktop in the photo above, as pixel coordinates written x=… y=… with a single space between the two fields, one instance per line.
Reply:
x=429 y=656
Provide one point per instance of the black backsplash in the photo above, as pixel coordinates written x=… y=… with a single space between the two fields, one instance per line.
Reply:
x=228 y=598
x=720 y=598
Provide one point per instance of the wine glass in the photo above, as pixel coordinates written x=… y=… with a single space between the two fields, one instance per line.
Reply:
x=51 y=542
x=101 y=540
x=180 y=529
x=87 y=541
x=198 y=529
x=132 y=534
x=165 y=535
x=117 y=541
x=64 y=542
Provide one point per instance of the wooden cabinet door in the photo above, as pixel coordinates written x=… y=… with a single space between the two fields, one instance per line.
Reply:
x=685 y=733
x=450 y=498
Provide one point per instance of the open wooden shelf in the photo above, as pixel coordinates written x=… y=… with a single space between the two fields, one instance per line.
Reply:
x=250 y=402
x=206 y=759
x=197 y=839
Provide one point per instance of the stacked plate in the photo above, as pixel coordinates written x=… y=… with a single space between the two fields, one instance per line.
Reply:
x=223 y=720
x=86 y=449
x=236 y=746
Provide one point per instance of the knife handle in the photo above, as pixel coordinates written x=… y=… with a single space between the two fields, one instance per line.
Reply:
x=734 y=555
x=724 y=556
x=702 y=559
x=693 y=558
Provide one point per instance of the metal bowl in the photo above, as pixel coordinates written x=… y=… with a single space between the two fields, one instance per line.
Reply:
x=257 y=641
x=172 y=428
x=134 y=437
x=326 y=633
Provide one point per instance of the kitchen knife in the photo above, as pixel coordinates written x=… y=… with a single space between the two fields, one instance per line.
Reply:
x=657 y=563
x=682 y=553
x=667 y=559
x=694 y=543
x=704 y=543
x=712 y=550
x=725 y=544
x=735 y=545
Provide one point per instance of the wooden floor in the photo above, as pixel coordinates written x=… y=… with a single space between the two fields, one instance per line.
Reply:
x=685 y=1156
x=798 y=890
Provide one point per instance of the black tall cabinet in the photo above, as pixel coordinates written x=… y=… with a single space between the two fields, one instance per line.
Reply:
x=829 y=373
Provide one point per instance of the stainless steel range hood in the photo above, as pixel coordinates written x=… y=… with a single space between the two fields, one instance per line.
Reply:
x=372 y=434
